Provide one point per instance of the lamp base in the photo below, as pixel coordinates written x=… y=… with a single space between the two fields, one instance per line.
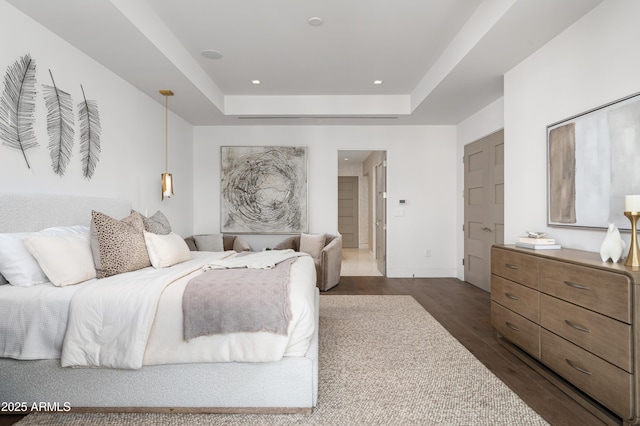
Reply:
x=633 y=258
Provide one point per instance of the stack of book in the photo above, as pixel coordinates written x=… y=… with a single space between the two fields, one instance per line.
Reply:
x=537 y=241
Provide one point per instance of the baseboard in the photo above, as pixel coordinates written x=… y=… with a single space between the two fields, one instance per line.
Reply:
x=421 y=273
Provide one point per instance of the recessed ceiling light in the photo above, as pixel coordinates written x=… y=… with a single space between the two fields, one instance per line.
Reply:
x=315 y=21
x=211 y=54
x=377 y=82
x=256 y=82
x=346 y=159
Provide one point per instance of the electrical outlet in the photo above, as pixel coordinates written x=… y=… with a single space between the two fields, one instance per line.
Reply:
x=427 y=253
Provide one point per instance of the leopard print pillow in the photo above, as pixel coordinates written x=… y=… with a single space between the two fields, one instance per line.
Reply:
x=118 y=245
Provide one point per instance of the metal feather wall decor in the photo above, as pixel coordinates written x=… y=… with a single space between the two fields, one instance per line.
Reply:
x=90 y=130
x=17 y=106
x=60 y=126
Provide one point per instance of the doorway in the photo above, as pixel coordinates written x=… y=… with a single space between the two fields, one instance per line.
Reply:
x=348 y=211
x=381 y=215
x=362 y=192
x=483 y=206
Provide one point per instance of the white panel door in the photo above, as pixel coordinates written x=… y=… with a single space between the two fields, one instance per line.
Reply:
x=483 y=206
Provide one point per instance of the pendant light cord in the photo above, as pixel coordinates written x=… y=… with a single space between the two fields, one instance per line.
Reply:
x=166 y=97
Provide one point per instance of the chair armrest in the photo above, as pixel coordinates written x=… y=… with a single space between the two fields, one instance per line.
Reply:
x=240 y=245
x=331 y=264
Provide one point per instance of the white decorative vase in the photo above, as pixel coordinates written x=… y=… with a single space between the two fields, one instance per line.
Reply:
x=613 y=245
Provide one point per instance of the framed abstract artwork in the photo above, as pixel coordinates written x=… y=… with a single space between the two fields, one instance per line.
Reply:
x=264 y=189
x=593 y=162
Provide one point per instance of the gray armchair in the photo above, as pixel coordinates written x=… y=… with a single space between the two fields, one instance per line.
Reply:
x=230 y=242
x=327 y=265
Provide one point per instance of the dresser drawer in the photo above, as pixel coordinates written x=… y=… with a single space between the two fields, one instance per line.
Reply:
x=516 y=329
x=516 y=297
x=514 y=266
x=605 y=382
x=605 y=292
x=603 y=336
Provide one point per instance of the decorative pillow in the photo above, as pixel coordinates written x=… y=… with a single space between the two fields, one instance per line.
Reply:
x=209 y=242
x=17 y=265
x=3 y=280
x=156 y=224
x=118 y=245
x=312 y=244
x=166 y=250
x=65 y=259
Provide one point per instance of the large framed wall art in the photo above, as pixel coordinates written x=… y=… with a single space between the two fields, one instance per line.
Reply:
x=264 y=189
x=593 y=162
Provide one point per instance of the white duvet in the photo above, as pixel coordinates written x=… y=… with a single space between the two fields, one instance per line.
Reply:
x=33 y=320
x=135 y=319
x=166 y=345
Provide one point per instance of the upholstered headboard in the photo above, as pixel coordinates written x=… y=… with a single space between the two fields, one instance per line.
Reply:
x=34 y=212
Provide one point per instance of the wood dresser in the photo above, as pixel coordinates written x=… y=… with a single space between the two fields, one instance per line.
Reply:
x=576 y=320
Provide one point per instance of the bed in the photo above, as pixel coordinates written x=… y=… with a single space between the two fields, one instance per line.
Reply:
x=167 y=380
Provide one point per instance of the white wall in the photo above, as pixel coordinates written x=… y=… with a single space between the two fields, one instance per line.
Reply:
x=133 y=129
x=592 y=63
x=420 y=160
x=483 y=123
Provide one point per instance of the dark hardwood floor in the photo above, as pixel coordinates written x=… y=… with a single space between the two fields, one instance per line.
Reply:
x=464 y=311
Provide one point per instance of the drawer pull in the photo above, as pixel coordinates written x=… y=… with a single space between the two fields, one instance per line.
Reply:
x=511 y=296
x=511 y=266
x=578 y=286
x=582 y=370
x=511 y=326
x=577 y=327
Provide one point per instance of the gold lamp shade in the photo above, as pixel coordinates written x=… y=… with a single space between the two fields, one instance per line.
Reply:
x=167 y=185
x=167 y=179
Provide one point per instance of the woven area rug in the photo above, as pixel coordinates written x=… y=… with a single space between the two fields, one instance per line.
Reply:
x=384 y=360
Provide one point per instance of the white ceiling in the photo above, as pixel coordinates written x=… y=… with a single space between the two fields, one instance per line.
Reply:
x=440 y=60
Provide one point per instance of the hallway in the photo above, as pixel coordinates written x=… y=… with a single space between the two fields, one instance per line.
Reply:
x=358 y=263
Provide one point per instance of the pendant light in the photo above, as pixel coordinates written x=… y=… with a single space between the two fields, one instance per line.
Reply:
x=167 y=179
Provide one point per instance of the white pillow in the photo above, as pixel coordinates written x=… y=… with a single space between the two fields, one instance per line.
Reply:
x=209 y=242
x=312 y=244
x=17 y=265
x=166 y=250
x=65 y=259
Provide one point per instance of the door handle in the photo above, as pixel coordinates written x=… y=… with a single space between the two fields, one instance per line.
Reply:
x=486 y=229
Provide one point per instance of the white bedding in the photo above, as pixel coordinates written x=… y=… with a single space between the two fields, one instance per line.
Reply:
x=105 y=340
x=33 y=320
x=166 y=345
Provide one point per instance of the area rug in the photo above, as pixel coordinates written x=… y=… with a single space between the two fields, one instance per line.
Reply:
x=384 y=360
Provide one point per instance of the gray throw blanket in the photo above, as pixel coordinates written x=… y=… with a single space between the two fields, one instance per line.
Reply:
x=222 y=301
